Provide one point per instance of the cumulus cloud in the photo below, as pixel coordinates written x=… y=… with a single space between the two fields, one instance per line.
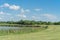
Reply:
x=22 y=16
x=13 y=7
x=33 y=17
x=24 y=11
x=2 y=12
x=37 y=9
x=6 y=5
x=27 y=10
x=50 y=16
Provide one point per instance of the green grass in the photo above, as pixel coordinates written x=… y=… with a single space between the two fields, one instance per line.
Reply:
x=10 y=25
x=22 y=30
x=52 y=33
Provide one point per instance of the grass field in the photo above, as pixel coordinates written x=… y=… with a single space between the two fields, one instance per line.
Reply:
x=52 y=33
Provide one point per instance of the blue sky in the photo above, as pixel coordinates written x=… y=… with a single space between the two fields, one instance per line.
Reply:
x=40 y=10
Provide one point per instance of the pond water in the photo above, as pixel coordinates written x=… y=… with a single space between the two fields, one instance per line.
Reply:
x=7 y=28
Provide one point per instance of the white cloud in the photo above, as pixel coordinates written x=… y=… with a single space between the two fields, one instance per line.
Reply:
x=22 y=11
x=8 y=14
x=49 y=16
x=22 y=16
x=37 y=9
x=14 y=7
x=2 y=12
x=33 y=17
x=27 y=10
x=6 y=5
x=0 y=18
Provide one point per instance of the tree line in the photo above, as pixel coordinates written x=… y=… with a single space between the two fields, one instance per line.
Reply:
x=31 y=22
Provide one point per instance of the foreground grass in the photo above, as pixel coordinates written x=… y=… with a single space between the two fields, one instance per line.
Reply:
x=52 y=33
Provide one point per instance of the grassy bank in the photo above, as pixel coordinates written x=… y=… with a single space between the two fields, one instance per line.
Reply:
x=10 y=25
x=52 y=33
x=19 y=25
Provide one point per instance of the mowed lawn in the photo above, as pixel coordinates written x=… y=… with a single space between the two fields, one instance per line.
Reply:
x=52 y=33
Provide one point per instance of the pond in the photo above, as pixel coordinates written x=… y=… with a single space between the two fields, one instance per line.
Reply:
x=7 y=28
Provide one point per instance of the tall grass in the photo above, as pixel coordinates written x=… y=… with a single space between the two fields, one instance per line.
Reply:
x=22 y=30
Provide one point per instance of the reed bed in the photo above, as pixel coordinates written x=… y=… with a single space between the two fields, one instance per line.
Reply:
x=22 y=30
